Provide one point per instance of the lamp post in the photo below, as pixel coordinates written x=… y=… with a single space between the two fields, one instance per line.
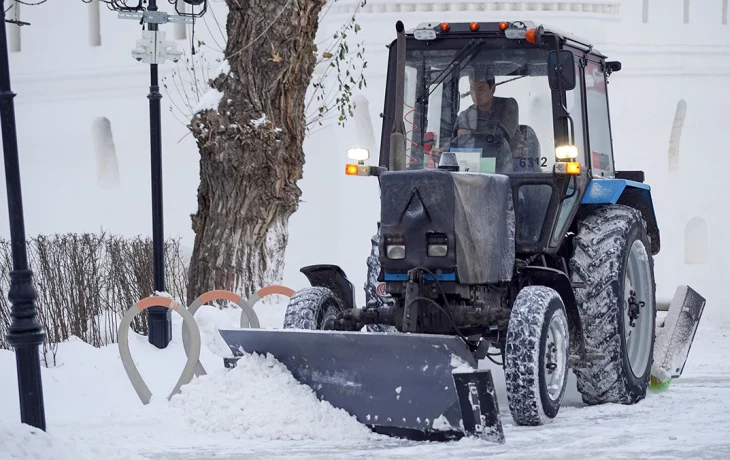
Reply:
x=154 y=49
x=25 y=334
x=159 y=321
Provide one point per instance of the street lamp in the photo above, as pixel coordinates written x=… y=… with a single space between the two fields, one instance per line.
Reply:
x=25 y=334
x=152 y=48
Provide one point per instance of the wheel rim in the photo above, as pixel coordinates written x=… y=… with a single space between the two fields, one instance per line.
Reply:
x=556 y=349
x=637 y=292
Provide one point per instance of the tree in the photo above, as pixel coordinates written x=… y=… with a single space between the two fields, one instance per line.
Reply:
x=249 y=129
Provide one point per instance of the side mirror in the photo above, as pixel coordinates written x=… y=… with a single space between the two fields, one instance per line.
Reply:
x=613 y=66
x=561 y=68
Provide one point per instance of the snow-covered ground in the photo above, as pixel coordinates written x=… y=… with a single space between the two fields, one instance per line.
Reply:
x=259 y=411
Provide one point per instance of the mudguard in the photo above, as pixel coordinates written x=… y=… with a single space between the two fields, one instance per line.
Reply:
x=333 y=278
x=558 y=280
x=630 y=193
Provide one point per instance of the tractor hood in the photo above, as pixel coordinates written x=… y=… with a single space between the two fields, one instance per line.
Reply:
x=471 y=213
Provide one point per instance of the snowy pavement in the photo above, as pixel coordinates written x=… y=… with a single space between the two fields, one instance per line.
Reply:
x=92 y=412
x=690 y=420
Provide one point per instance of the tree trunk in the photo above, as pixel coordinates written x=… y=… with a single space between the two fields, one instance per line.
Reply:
x=250 y=146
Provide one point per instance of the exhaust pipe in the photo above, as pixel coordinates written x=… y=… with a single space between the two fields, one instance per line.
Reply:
x=398 y=132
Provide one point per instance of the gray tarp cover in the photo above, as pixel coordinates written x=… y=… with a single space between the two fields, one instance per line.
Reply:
x=475 y=210
x=484 y=223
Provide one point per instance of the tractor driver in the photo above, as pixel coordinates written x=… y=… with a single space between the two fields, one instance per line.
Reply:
x=488 y=107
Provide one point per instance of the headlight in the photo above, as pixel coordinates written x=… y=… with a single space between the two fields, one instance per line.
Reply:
x=437 y=244
x=424 y=34
x=395 y=246
x=396 y=251
x=566 y=152
x=358 y=154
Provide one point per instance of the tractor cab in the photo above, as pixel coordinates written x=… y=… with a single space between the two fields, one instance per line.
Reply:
x=503 y=98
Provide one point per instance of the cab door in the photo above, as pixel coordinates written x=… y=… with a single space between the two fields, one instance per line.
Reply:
x=600 y=143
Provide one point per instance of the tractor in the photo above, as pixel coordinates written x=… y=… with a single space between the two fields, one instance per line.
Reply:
x=505 y=233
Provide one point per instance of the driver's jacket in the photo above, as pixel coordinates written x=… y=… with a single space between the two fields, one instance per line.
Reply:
x=504 y=110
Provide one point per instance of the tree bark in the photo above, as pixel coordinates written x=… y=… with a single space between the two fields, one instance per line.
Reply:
x=250 y=146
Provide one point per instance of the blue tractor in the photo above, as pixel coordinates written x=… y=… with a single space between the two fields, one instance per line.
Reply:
x=505 y=234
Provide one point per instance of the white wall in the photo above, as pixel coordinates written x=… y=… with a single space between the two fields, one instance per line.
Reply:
x=64 y=83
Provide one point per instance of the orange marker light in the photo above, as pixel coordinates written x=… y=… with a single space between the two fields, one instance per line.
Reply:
x=531 y=36
x=351 y=170
x=572 y=167
x=503 y=25
x=445 y=27
x=474 y=26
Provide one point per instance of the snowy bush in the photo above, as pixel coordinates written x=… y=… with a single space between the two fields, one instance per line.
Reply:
x=86 y=282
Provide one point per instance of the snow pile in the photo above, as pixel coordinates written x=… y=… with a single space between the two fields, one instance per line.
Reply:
x=261 y=399
x=20 y=441
x=210 y=320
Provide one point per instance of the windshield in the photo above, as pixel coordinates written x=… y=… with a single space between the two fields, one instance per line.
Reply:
x=492 y=108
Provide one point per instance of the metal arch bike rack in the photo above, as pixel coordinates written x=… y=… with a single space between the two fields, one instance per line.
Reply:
x=143 y=391
x=260 y=294
x=190 y=334
x=248 y=315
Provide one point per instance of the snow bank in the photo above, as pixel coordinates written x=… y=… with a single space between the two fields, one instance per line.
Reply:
x=20 y=441
x=261 y=399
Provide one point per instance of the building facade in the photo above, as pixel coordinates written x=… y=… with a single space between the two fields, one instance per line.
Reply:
x=83 y=123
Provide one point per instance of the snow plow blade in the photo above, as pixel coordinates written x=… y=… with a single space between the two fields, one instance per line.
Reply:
x=674 y=337
x=415 y=386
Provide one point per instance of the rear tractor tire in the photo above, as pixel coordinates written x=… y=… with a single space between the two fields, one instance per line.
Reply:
x=311 y=308
x=612 y=258
x=536 y=355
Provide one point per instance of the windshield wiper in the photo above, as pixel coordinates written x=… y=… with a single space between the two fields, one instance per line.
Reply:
x=463 y=95
x=466 y=52
x=511 y=79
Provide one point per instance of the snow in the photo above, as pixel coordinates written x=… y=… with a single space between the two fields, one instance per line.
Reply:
x=459 y=365
x=20 y=441
x=259 y=121
x=441 y=424
x=210 y=101
x=260 y=399
x=257 y=400
x=224 y=68
x=258 y=410
x=89 y=402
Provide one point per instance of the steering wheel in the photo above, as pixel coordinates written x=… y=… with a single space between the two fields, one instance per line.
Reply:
x=493 y=128
x=494 y=140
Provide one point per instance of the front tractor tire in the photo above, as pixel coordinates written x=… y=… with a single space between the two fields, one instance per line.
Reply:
x=311 y=308
x=612 y=259
x=536 y=355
